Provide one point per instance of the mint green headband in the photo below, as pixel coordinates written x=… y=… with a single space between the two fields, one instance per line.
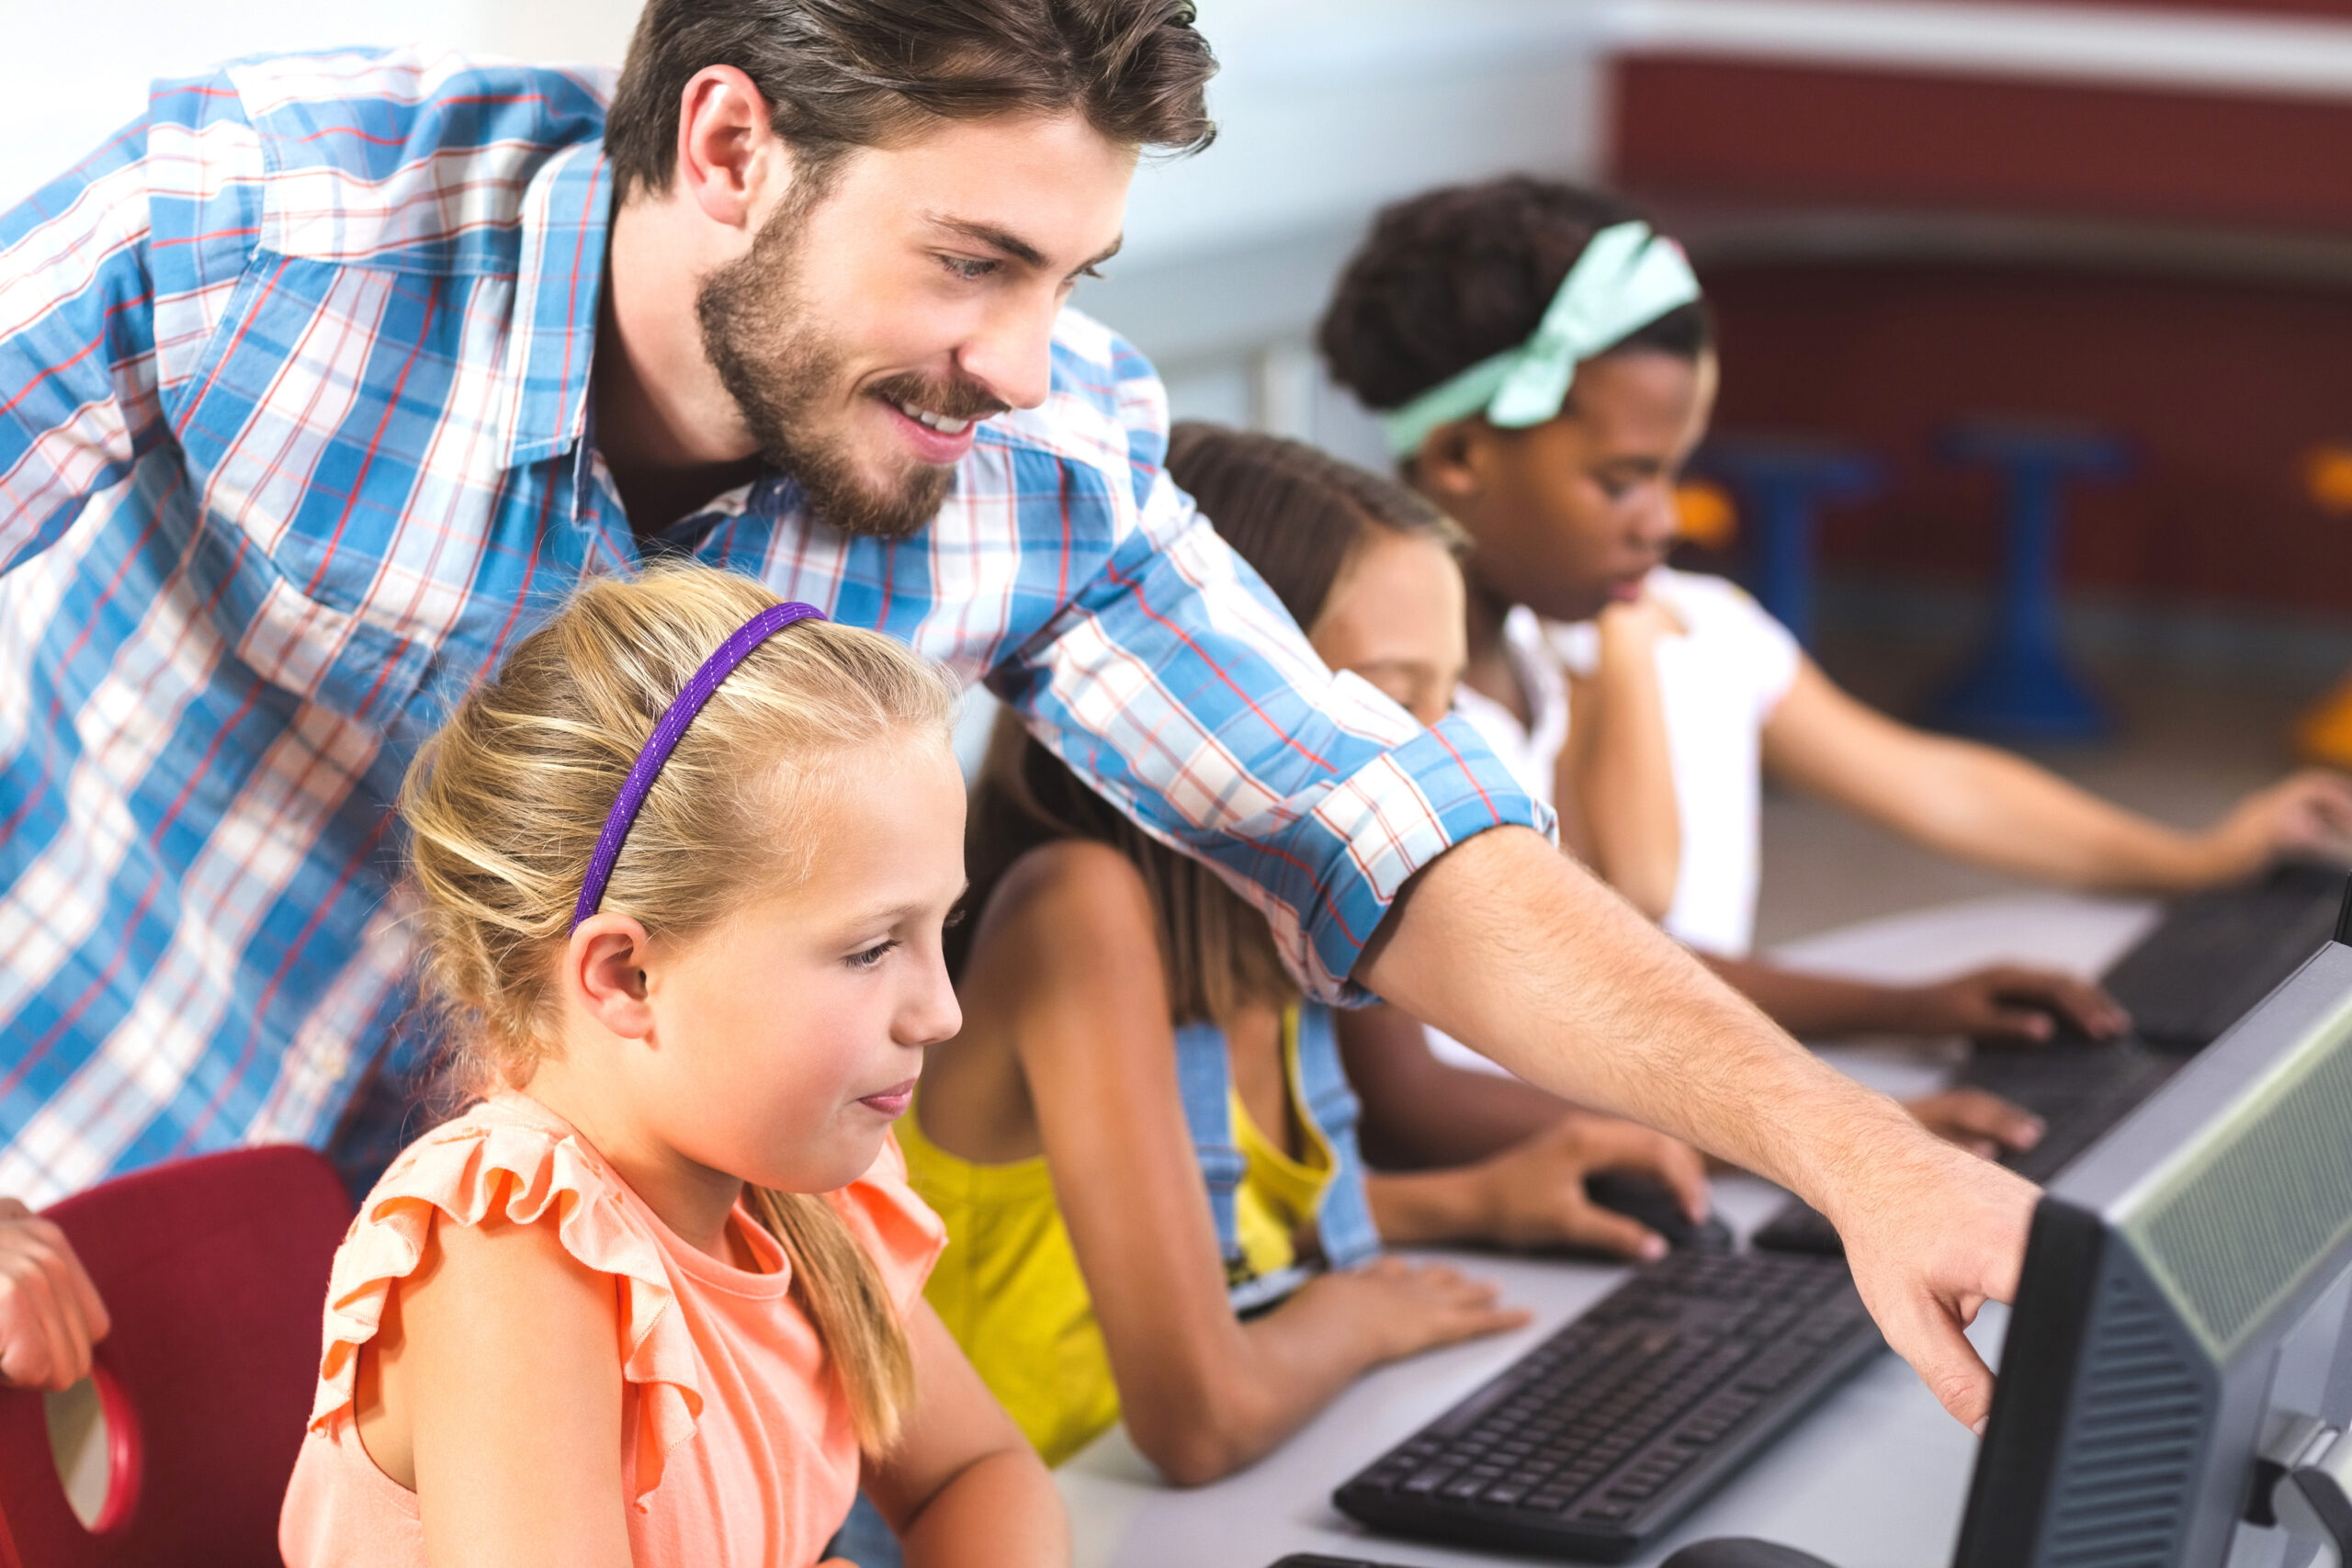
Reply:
x=1626 y=279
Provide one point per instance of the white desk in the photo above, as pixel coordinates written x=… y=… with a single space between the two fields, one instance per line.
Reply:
x=1875 y=1478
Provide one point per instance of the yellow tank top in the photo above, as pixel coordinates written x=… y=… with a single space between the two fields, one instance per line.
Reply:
x=1009 y=1287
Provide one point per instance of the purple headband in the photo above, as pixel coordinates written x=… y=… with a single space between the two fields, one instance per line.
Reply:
x=667 y=733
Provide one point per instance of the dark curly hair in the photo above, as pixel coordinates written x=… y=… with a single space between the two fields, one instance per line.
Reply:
x=839 y=74
x=1452 y=275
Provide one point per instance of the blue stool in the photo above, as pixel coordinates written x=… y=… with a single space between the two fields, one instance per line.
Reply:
x=2020 y=687
x=1782 y=483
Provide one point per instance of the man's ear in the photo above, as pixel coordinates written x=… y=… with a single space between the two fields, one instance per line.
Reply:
x=730 y=160
x=603 y=968
x=1451 y=464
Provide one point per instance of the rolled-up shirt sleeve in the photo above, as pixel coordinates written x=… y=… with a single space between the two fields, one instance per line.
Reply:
x=1177 y=685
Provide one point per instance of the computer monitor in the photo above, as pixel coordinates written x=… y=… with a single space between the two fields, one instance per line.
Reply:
x=2179 y=1333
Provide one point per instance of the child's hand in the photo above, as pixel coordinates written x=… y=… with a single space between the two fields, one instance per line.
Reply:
x=50 y=1312
x=1637 y=622
x=1980 y=1123
x=1404 y=1308
x=1533 y=1192
x=2008 y=1002
x=2305 y=813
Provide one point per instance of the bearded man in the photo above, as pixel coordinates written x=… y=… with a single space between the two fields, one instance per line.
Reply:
x=326 y=379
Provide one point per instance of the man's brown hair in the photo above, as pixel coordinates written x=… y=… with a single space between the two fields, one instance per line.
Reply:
x=839 y=74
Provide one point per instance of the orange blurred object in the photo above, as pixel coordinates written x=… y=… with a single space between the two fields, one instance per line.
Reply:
x=1708 y=518
x=2324 y=733
x=2327 y=476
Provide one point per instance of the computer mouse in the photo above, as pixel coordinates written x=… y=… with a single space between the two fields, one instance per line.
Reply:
x=1798 y=1227
x=1648 y=1201
x=1742 y=1552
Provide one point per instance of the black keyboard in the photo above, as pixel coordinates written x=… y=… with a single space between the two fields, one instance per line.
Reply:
x=1609 y=1431
x=2215 y=954
x=2079 y=1092
x=2204 y=965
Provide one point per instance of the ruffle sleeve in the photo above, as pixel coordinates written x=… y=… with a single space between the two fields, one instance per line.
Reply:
x=898 y=1229
x=488 y=1162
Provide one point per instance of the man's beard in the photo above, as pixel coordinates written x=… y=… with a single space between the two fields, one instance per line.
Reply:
x=783 y=371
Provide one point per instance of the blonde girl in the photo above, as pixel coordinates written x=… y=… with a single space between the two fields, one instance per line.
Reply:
x=655 y=1298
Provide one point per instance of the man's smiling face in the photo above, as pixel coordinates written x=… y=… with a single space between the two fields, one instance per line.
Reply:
x=876 y=321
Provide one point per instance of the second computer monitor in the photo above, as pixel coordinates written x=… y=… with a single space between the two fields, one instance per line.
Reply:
x=2183 y=1309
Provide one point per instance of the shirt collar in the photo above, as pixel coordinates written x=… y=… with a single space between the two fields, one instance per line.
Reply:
x=566 y=213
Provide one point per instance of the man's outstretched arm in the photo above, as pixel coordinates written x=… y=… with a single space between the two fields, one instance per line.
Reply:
x=1507 y=944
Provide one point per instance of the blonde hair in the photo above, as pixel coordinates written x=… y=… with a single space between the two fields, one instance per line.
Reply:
x=506 y=803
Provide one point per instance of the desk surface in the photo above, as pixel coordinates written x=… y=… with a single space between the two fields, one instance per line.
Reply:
x=1875 y=1478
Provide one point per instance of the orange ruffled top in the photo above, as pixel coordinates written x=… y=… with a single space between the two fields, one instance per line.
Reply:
x=737 y=1448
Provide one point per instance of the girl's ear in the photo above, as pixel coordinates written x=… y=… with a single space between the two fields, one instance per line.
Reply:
x=604 y=971
x=1449 y=467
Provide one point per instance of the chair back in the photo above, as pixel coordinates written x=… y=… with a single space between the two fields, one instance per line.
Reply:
x=214 y=1272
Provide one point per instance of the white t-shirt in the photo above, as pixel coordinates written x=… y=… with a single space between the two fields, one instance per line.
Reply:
x=1529 y=752
x=1718 y=684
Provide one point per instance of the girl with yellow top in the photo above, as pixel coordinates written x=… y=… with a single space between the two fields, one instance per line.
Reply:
x=1142 y=1131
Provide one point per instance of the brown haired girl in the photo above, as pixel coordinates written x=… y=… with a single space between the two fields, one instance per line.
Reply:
x=1144 y=1132
x=654 y=1298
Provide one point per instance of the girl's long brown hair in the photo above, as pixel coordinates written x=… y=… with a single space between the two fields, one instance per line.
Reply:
x=1297 y=516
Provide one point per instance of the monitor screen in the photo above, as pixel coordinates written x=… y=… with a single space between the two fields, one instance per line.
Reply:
x=2185 y=1298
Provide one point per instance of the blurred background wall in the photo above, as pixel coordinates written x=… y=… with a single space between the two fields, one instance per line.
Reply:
x=2136 y=218
x=1327 y=107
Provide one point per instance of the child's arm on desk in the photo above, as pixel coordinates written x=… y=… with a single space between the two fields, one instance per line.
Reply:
x=1978 y=803
x=2003 y=1001
x=1482 y=1157
x=1617 y=779
x=1067 y=953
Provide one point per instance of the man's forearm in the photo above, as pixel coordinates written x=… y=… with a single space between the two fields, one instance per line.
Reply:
x=1509 y=946
x=1506 y=944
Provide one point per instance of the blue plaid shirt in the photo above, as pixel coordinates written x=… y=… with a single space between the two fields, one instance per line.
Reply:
x=294 y=444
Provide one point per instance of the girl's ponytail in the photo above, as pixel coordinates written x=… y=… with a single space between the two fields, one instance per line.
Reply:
x=838 y=1288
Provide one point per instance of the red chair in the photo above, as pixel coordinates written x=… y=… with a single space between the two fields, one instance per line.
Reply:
x=214 y=1272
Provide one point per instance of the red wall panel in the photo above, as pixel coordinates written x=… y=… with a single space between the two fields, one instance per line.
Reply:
x=1778 y=133
x=2338 y=8
x=2223 y=387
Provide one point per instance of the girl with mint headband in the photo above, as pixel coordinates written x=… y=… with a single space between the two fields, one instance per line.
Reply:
x=1544 y=365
